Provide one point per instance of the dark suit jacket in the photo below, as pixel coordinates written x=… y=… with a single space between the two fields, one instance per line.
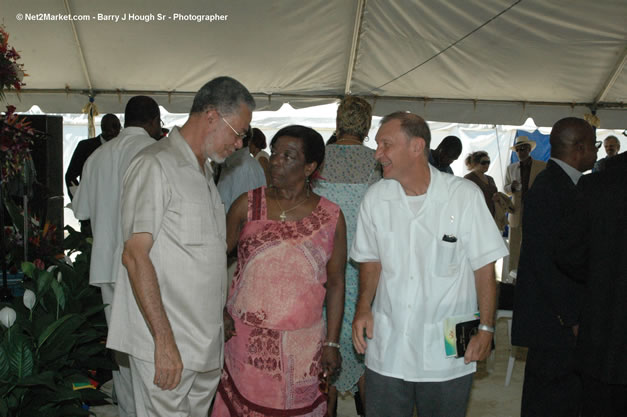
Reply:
x=593 y=250
x=546 y=302
x=81 y=153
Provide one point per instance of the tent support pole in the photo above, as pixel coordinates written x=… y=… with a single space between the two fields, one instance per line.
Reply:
x=359 y=17
x=613 y=76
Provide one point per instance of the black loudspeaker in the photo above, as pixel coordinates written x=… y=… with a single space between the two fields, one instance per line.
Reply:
x=48 y=159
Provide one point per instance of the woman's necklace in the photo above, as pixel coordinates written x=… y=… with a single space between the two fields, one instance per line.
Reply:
x=282 y=216
x=349 y=140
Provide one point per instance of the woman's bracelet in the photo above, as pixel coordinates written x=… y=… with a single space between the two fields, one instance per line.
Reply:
x=331 y=344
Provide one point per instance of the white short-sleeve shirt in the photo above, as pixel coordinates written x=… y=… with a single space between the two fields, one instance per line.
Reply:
x=98 y=199
x=424 y=279
x=167 y=195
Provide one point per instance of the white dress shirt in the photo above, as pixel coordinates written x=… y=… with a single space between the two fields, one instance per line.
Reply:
x=424 y=279
x=98 y=199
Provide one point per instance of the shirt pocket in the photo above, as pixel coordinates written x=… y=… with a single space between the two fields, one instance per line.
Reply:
x=196 y=224
x=446 y=258
x=434 y=352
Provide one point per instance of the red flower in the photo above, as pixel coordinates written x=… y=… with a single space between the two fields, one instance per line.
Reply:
x=39 y=264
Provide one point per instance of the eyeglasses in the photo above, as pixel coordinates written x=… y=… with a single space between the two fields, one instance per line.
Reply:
x=485 y=162
x=324 y=383
x=598 y=144
x=523 y=148
x=239 y=135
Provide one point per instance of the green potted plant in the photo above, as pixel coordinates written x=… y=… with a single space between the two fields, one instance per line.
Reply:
x=51 y=337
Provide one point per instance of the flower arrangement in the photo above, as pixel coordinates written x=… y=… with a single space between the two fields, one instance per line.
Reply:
x=11 y=72
x=16 y=139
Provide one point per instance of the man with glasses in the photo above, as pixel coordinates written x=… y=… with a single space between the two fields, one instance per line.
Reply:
x=518 y=180
x=167 y=312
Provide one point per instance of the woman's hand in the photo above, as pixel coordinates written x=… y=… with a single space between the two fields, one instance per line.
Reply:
x=331 y=360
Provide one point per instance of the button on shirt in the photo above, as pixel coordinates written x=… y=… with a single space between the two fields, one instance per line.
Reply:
x=98 y=199
x=424 y=279
x=167 y=195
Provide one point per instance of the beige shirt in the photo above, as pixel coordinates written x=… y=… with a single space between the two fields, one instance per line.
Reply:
x=166 y=194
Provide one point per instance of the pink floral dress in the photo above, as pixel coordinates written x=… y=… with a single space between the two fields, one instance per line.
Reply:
x=271 y=367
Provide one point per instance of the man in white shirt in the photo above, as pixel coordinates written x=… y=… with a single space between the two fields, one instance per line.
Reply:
x=98 y=199
x=239 y=174
x=426 y=244
x=167 y=312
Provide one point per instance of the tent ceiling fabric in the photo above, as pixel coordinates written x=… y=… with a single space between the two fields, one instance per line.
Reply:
x=471 y=61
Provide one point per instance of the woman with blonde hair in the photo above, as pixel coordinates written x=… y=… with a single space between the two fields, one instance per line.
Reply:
x=478 y=164
x=349 y=168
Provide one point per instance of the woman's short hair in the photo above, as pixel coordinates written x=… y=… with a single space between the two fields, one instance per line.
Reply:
x=354 y=116
x=474 y=158
x=258 y=138
x=313 y=144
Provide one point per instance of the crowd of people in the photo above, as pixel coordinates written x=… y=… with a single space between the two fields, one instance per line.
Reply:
x=347 y=263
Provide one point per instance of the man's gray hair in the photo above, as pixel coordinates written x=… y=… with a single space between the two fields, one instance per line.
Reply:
x=412 y=125
x=224 y=94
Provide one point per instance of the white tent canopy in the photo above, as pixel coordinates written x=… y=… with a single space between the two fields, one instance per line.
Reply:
x=469 y=61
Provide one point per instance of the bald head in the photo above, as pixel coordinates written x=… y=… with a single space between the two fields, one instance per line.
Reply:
x=143 y=111
x=572 y=141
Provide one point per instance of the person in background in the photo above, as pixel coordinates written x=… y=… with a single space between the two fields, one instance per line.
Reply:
x=547 y=304
x=518 y=180
x=291 y=257
x=110 y=127
x=593 y=251
x=478 y=164
x=98 y=199
x=349 y=168
x=612 y=147
x=446 y=153
x=167 y=311
x=238 y=174
x=256 y=146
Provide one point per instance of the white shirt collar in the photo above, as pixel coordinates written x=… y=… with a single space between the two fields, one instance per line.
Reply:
x=572 y=173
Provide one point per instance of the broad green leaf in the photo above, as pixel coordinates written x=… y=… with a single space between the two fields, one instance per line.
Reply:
x=4 y=364
x=44 y=278
x=4 y=408
x=93 y=310
x=45 y=378
x=28 y=268
x=58 y=293
x=21 y=359
x=51 y=328
x=15 y=214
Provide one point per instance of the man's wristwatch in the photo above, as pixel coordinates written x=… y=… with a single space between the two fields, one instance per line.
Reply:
x=486 y=328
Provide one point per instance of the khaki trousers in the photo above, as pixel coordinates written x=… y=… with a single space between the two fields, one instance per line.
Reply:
x=192 y=397
x=122 y=381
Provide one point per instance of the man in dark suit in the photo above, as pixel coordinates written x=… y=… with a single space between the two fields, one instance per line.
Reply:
x=593 y=251
x=110 y=127
x=547 y=303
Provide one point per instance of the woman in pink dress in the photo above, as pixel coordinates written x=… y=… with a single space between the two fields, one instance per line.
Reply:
x=291 y=259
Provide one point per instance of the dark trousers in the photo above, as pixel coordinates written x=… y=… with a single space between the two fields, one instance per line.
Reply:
x=601 y=399
x=552 y=387
x=387 y=396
